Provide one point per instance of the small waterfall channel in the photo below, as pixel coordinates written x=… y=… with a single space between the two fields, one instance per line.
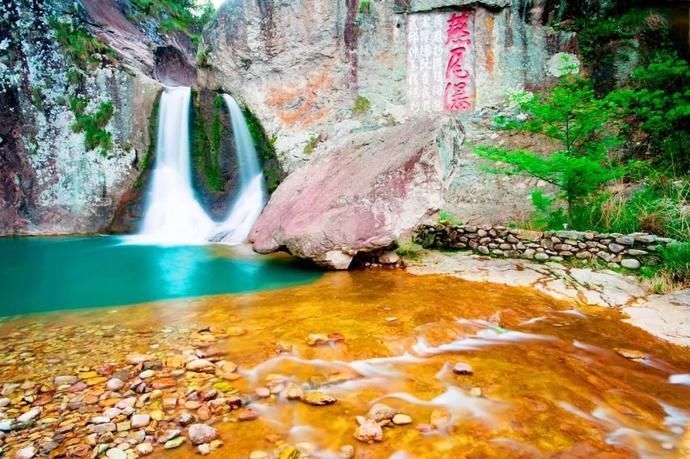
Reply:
x=173 y=214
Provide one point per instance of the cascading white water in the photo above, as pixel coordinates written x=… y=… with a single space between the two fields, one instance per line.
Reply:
x=173 y=215
x=251 y=197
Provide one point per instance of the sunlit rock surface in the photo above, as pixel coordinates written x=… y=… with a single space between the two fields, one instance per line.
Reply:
x=362 y=195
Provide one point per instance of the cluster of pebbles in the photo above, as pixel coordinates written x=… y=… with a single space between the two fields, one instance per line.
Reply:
x=55 y=403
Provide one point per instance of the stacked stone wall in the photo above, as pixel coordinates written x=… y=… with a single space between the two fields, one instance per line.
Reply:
x=630 y=251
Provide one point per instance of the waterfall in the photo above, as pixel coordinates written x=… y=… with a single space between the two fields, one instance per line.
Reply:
x=173 y=215
x=251 y=197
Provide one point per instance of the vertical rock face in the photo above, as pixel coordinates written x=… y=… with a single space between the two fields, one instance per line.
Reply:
x=75 y=125
x=315 y=72
x=302 y=65
x=362 y=196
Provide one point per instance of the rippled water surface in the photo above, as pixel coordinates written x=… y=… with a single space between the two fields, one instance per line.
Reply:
x=548 y=380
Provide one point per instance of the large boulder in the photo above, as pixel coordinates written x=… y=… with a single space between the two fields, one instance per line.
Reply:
x=363 y=194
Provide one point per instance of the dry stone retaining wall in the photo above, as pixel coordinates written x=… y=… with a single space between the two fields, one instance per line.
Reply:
x=630 y=251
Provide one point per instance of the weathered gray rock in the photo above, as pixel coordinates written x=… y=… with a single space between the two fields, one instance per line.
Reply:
x=631 y=263
x=201 y=433
x=361 y=196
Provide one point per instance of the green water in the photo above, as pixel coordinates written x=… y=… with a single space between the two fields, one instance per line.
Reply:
x=39 y=275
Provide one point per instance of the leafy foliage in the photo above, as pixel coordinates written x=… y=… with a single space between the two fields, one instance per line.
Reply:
x=578 y=123
x=93 y=125
x=362 y=105
x=658 y=103
x=85 y=50
x=184 y=16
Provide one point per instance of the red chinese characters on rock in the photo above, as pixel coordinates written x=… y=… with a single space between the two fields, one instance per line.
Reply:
x=458 y=92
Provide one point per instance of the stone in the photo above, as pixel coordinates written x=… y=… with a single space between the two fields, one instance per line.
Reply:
x=146 y=374
x=389 y=258
x=204 y=449
x=262 y=392
x=356 y=198
x=101 y=419
x=630 y=354
x=6 y=425
x=27 y=452
x=636 y=252
x=185 y=419
x=201 y=433
x=483 y=250
x=541 y=256
x=116 y=453
x=136 y=358
x=347 y=452
x=616 y=248
x=476 y=392
x=4 y=402
x=174 y=443
x=247 y=414
x=380 y=412
x=114 y=384
x=317 y=398
x=258 y=455
x=65 y=380
x=144 y=449
x=30 y=415
x=369 y=432
x=626 y=240
x=631 y=263
x=200 y=365
x=461 y=368
x=316 y=339
x=163 y=383
x=140 y=420
x=401 y=419
x=103 y=428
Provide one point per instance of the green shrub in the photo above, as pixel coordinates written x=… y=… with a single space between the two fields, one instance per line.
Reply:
x=184 y=16
x=447 y=218
x=362 y=105
x=93 y=125
x=312 y=144
x=410 y=250
x=85 y=50
x=579 y=123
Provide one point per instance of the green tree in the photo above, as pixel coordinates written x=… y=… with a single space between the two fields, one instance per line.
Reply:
x=580 y=124
x=658 y=103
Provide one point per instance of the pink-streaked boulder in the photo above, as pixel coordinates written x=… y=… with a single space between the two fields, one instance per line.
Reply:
x=362 y=194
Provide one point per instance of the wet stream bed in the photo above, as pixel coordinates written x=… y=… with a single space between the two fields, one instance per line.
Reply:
x=547 y=380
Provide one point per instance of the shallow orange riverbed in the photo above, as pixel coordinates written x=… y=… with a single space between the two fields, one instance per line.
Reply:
x=547 y=380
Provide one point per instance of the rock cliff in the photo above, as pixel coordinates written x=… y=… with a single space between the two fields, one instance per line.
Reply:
x=78 y=84
x=314 y=72
x=318 y=72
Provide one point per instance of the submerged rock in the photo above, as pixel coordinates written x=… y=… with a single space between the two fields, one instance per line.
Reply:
x=317 y=398
x=369 y=432
x=361 y=196
x=201 y=433
x=380 y=412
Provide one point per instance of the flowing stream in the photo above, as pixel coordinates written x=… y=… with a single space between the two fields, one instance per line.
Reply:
x=173 y=214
